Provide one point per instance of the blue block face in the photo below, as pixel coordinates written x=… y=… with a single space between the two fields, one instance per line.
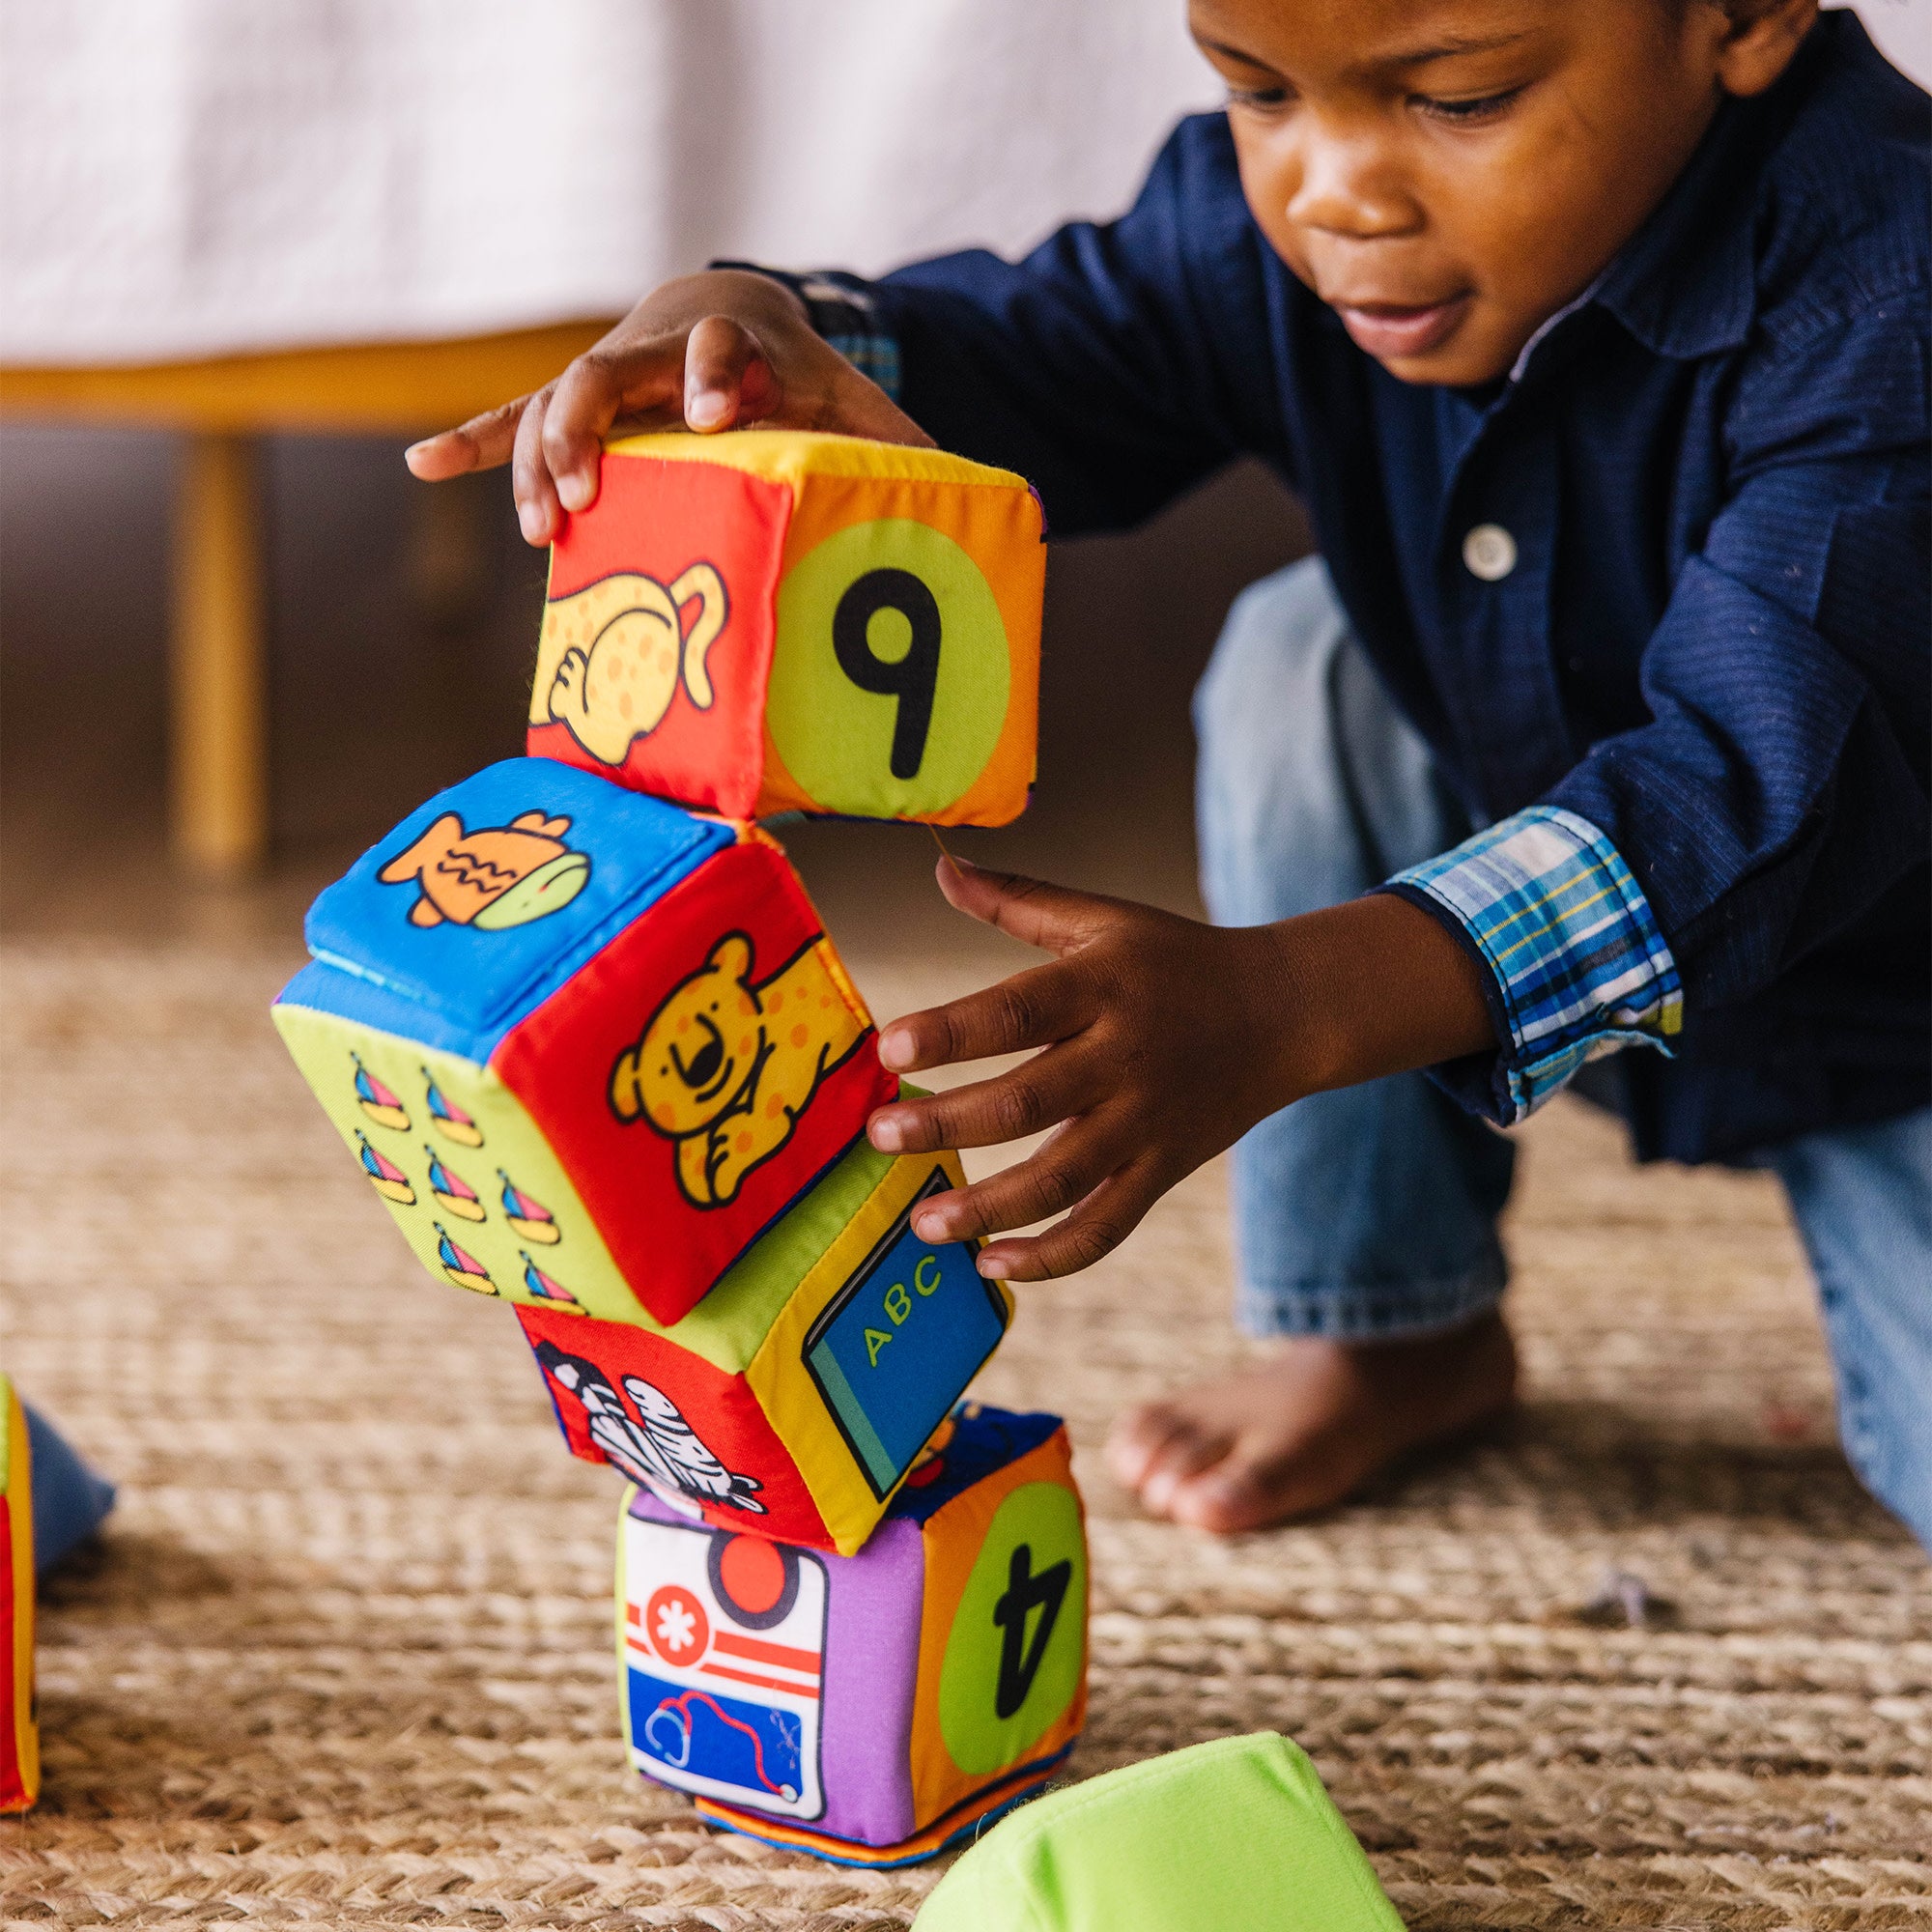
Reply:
x=907 y=1331
x=485 y=901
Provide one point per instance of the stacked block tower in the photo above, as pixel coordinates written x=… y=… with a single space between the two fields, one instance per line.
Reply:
x=581 y=1027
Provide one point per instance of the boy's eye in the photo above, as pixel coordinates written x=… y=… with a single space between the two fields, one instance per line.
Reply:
x=1466 y=112
x=1257 y=97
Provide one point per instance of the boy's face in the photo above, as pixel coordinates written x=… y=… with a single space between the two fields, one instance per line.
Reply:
x=1446 y=174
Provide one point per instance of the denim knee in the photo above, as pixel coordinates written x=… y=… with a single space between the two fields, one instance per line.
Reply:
x=1369 y=1212
x=1312 y=786
x=1862 y=1200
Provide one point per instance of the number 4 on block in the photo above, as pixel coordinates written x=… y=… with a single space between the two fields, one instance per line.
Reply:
x=771 y=620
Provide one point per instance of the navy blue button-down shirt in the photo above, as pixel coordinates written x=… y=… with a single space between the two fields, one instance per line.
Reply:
x=1713 y=647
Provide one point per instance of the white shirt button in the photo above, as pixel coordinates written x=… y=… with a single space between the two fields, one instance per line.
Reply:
x=1488 y=552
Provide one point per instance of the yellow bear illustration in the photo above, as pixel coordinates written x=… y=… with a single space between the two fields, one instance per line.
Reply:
x=612 y=654
x=726 y=1065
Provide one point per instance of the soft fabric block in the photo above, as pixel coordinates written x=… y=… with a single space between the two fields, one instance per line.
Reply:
x=775 y=620
x=70 y=1502
x=585 y=1045
x=796 y=1398
x=870 y=1707
x=20 y=1730
x=1234 y=1833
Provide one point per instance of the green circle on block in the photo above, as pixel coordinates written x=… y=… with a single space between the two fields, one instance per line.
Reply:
x=837 y=738
x=1000 y=1686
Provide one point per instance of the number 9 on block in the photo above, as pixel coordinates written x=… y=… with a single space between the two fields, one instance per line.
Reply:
x=771 y=620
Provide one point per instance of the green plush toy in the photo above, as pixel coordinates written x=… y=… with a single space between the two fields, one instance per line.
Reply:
x=1236 y=1833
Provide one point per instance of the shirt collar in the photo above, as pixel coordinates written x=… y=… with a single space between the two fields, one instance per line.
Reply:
x=1684 y=285
x=1544 y=327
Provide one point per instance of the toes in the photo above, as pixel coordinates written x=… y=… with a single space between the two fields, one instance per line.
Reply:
x=1185 y=1456
x=1258 y=1485
x=1224 y=1498
x=1138 y=1438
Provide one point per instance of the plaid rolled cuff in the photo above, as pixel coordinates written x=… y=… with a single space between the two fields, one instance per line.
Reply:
x=844 y=313
x=1579 y=965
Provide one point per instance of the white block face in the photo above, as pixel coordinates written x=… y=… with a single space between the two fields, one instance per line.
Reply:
x=724 y=1640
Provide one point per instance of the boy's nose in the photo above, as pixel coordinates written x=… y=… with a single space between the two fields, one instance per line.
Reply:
x=1348 y=188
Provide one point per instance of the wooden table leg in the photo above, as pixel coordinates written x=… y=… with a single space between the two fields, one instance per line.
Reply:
x=219 y=807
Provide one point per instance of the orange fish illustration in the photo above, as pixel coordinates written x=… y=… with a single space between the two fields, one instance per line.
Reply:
x=497 y=876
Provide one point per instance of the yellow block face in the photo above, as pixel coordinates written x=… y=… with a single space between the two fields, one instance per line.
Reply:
x=772 y=620
x=869 y=1354
x=452 y=1154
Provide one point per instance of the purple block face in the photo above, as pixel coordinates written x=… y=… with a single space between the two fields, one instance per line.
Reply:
x=780 y=1683
x=772 y=1677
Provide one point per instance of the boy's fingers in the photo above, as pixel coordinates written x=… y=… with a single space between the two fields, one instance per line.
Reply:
x=1053 y=918
x=1058 y=1176
x=1036 y=1008
x=539 y=514
x=481 y=443
x=587 y=399
x=1095 y=1228
x=1031 y=1098
x=718 y=354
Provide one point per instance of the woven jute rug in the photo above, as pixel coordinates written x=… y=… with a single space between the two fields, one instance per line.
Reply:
x=344 y=1657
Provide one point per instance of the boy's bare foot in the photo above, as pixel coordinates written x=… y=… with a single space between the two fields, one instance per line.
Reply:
x=1304 y=1428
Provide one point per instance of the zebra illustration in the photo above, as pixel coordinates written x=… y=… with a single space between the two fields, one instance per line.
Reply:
x=657 y=1447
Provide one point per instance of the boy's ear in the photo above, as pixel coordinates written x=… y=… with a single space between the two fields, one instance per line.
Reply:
x=1759 y=38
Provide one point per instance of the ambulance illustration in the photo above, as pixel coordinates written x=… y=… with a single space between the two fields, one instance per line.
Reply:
x=724 y=1646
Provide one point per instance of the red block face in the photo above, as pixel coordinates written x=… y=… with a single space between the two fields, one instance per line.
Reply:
x=699 y=1073
x=670 y=586
x=665 y=1418
x=780 y=620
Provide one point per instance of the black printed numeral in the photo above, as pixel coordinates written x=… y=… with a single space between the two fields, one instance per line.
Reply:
x=1019 y=1659
x=912 y=678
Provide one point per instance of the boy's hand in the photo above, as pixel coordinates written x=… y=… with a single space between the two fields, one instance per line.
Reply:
x=1164 y=1040
x=711 y=352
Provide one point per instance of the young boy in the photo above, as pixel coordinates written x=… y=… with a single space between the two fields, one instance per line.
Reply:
x=1593 y=335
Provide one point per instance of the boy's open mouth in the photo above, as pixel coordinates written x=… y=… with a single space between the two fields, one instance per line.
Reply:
x=1385 y=328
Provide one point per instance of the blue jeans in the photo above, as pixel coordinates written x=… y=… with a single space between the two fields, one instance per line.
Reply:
x=1372 y=1211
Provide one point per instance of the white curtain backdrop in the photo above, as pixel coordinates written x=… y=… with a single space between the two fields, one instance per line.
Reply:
x=191 y=177
x=188 y=177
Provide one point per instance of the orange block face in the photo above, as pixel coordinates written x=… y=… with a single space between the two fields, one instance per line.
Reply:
x=769 y=620
x=1003 y=1629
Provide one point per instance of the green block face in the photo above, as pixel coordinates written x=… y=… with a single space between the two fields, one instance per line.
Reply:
x=461 y=1166
x=485 y=1205
x=730 y=1325
x=1234 y=1833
